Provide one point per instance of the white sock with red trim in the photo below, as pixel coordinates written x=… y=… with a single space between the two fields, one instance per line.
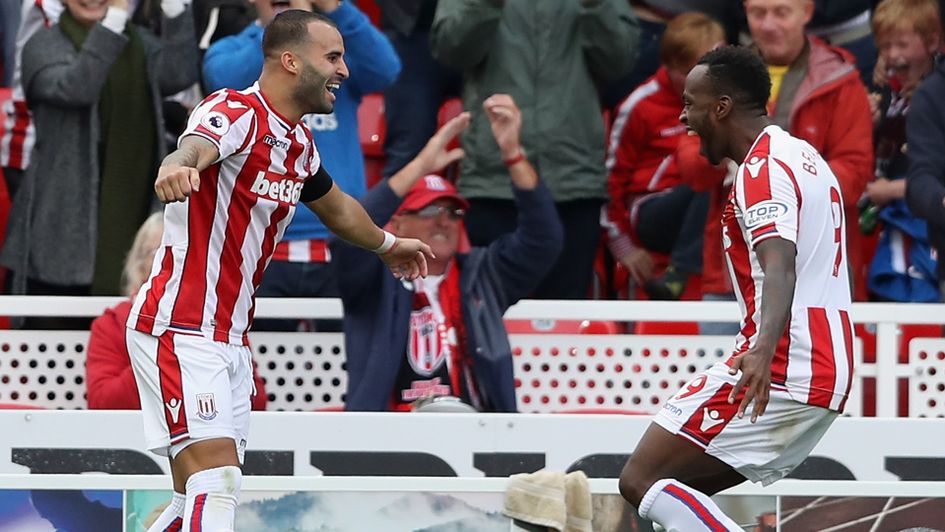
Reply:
x=212 y=496
x=679 y=508
x=171 y=519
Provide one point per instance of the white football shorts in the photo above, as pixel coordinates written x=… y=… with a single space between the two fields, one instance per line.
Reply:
x=764 y=451
x=191 y=389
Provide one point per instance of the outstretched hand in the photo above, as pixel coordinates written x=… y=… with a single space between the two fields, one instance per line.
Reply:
x=435 y=155
x=176 y=183
x=755 y=382
x=506 y=121
x=407 y=259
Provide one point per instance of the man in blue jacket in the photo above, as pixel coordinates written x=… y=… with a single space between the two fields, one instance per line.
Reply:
x=925 y=136
x=299 y=266
x=443 y=335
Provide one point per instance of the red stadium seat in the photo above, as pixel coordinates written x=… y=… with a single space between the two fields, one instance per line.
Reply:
x=372 y=130
x=448 y=110
x=666 y=327
x=544 y=326
x=371 y=9
x=20 y=406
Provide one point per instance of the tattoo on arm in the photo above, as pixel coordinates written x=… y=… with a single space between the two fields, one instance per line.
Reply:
x=186 y=155
x=195 y=152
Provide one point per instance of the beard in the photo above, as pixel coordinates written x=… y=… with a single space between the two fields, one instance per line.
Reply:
x=311 y=92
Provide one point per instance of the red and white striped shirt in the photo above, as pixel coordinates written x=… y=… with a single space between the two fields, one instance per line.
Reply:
x=785 y=189
x=217 y=244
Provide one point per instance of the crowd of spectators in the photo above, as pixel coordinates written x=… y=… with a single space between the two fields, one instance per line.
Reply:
x=95 y=94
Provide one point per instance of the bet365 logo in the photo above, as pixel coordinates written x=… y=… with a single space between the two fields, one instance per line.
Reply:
x=287 y=190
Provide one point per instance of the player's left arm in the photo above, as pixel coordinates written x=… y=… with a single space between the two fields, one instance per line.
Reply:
x=345 y=217
x=770 y=203
x=777 y=258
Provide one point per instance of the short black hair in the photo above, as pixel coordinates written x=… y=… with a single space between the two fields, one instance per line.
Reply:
x=739 y=73
x=290 y=28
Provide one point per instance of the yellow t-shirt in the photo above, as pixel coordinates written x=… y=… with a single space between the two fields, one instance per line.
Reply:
x=777 y=75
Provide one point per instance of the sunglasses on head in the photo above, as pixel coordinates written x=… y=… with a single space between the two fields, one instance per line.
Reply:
x=432 y=211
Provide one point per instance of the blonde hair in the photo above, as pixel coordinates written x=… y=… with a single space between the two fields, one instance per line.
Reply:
x=688 y=36
x=921 y=16
x=141 y=255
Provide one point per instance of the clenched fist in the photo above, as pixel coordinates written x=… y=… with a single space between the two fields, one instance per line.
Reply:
x=176 y=183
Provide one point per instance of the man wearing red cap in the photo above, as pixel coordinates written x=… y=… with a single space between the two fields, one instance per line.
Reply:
x=443 y=335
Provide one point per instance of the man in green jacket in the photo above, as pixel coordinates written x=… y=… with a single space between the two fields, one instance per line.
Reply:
x=549 y=56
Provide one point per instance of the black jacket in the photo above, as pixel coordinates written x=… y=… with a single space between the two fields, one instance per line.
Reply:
x=925 y=138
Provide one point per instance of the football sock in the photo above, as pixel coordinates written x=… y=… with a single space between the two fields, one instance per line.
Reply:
x=171 y=519
x=679 y=508
x=212 y=496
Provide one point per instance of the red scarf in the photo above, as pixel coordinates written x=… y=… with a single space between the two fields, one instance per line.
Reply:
x=452 y=307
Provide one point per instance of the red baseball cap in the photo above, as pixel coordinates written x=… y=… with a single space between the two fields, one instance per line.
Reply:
x=428 y=189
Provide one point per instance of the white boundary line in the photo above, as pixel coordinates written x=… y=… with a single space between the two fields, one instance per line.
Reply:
x=785 y=488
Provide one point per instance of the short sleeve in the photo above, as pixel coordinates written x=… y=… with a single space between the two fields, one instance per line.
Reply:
x=224 y=118
x=769 y=200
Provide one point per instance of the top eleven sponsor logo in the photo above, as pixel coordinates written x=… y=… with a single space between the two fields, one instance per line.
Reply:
x=764 y=212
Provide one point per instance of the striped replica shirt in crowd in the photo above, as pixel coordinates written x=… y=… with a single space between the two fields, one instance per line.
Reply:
x=217 y=244
x=785 y=189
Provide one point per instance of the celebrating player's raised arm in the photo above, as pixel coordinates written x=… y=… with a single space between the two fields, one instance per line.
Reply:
x=179 y=174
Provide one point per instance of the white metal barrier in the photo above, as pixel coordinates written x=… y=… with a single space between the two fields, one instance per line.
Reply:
x=555 y=372
x=369 y=463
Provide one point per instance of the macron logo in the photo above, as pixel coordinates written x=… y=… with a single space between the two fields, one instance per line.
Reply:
x=173 y=406
x=754 y=166
x=287 y=190
x=710 y=419
x=282 y=144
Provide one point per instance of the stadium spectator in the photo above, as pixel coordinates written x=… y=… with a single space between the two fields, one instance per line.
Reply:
x=653 y=15
x=817 y=95
x=925 y=135
x=909 y=36
x=846 y=23
x=94 y=83
x=444 y=335
x=109 y=377
x=19 y=135
x=651 y=208
x=216 y=19
x=548 y=56
x=412 y=102
x=300 y=265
